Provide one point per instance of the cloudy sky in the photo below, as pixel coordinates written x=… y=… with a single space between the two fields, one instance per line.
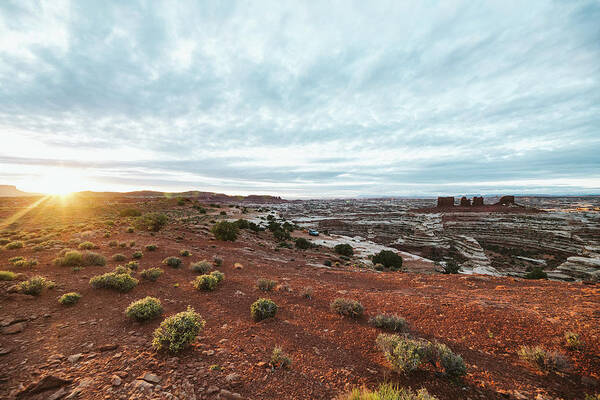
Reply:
x=301 y=99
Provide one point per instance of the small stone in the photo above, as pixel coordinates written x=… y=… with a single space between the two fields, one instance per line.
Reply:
x=4 y=351
x=141 y=384
x=14 y=328
x=74 y=358
x=115 y=380
x=150 y=377
x=212 y=389
x=233 y=377
x=226 y=394
x=108 y=347
x=208 y=352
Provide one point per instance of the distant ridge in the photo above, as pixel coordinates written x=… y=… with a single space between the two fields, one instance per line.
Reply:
x=12 y=191
x=192 y=194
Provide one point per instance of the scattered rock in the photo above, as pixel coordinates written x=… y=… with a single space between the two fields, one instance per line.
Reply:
x=4 y=351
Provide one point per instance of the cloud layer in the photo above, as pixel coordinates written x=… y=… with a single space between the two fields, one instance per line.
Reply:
x=304 y=100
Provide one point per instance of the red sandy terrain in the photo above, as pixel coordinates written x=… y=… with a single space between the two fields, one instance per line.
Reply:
x=484 y=319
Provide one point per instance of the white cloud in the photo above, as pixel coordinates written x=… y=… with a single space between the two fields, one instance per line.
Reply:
x=308 y=99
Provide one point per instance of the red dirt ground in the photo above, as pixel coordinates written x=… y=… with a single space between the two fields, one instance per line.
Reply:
x=485 y=319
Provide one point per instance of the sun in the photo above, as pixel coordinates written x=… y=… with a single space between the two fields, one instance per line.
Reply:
x=59 y=182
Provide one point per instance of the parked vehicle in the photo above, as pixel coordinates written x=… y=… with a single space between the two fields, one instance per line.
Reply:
x=312 y=232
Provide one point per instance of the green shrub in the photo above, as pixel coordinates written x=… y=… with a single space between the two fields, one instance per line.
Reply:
x=123 y=244
x=7 y=276
x=24 y=263
x=344 y=249
x=205 y=282
x=453 y=364
x=279 y=359
x=201 y=267
x=543 y=359
x=388 y=259
x=137 y=255
x=130 y=212
x=14 y=245
x=130 y=229
x=132 y=265
x=34 y=286
x=144 y=309
x=151 y=274
x=281 y=235
x=119 y=257
x=113 y=243
x=347 y=307
x=536 y=273
x=303 y=244
x=226 y=231
x=406 y=355
x=242 y=224
x=152 y=222
x=121 y=282
x=185 y=253
x=451 y=267
x=265 y=285
x=262 y=309
x=132 y=243
x=389 y=322
x=592 y=397
x=387 y=392
x=93 y=259
x=572 y=340
x=178 y=330
x=122 y=269
x=69 y=299
x=172 y=262
x=219 y=276
x=151 y=247
x=86 y=245
x=69 y=259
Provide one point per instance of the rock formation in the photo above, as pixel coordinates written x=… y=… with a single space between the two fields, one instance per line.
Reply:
x=477 y=201
x=445 y=201
x=506 y=200
x=464 y=202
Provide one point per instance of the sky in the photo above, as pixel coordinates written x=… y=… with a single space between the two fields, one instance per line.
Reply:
x=301 y=99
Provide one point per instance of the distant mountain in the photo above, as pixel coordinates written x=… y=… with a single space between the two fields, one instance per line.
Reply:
x=12 y=191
